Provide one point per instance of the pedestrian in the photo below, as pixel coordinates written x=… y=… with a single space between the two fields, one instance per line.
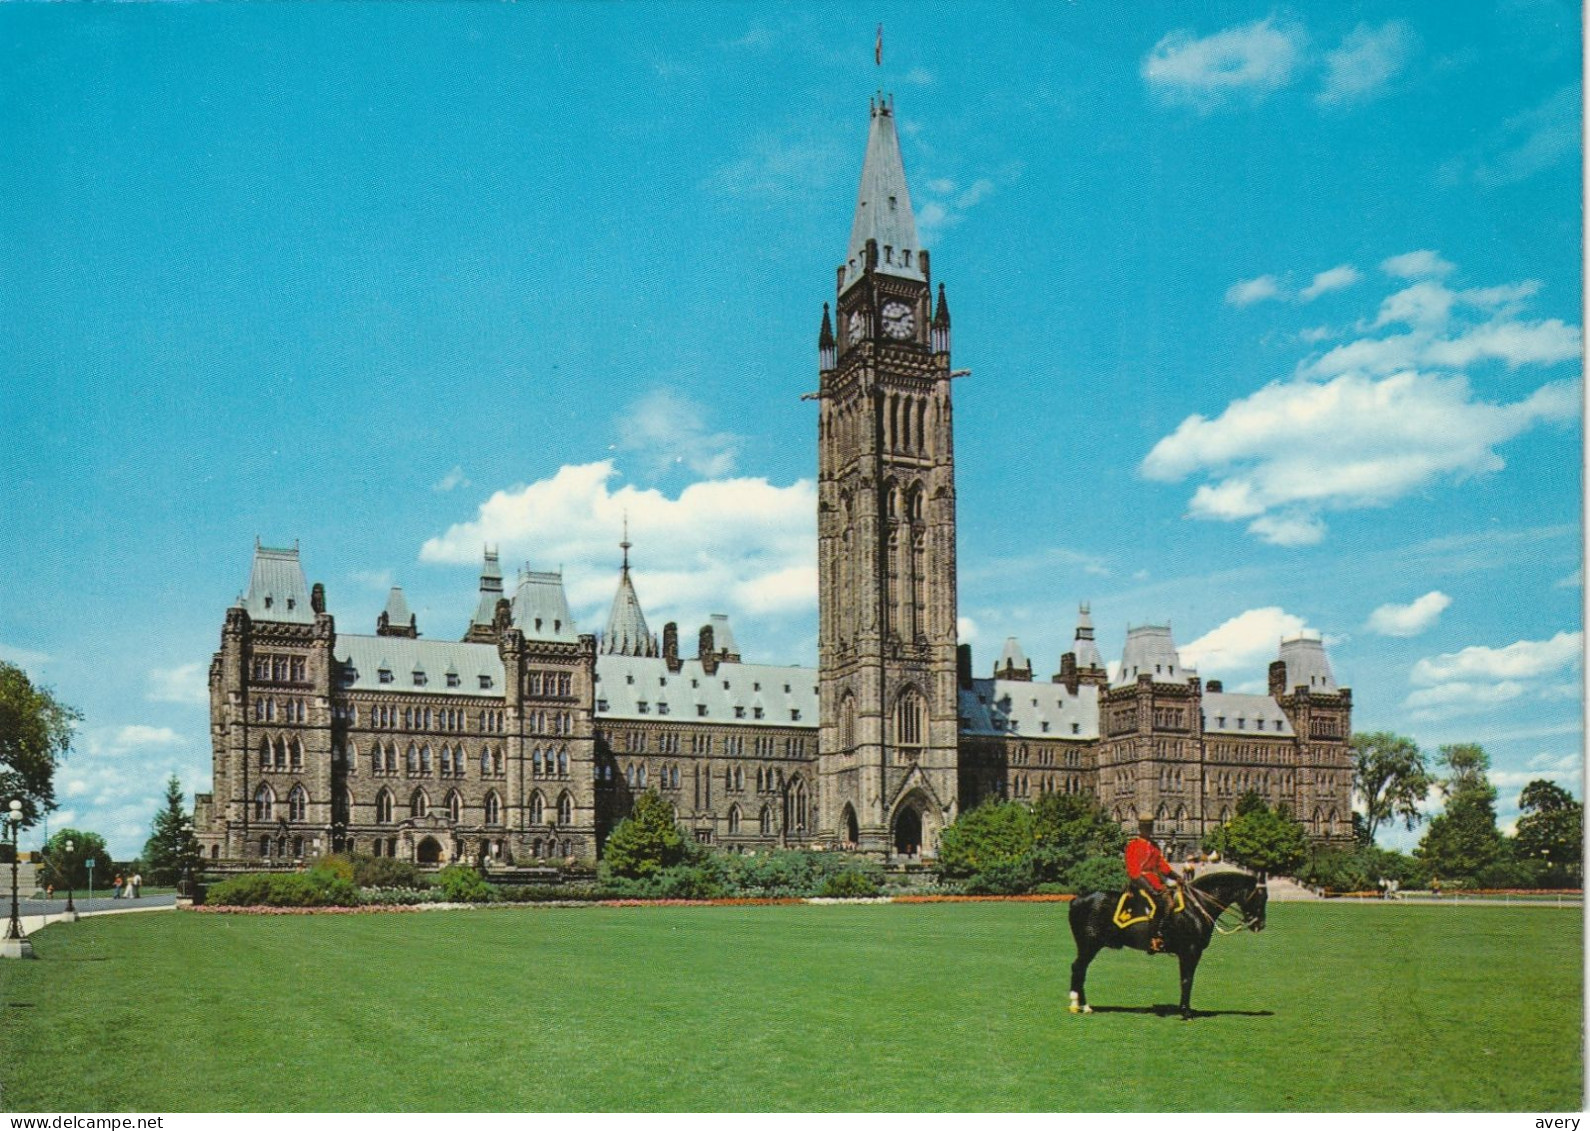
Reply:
x=1189 y=870
x=49 y=891
x=136 y=884
x=115 y=887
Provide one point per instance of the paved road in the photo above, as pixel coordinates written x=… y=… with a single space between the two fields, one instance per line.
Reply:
x=84 y=906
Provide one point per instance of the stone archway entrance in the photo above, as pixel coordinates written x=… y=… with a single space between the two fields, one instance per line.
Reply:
x=428 y=851
x=908 y=831
x=848 y=826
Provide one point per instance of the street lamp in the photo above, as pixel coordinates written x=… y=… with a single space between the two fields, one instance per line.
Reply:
x=185 y=884
x=15 y=944
x=71 y=908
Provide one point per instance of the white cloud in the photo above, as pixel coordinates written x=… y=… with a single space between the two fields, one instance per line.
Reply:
x=1364 y=425
x=1249 y=291
x=1479 y=677
x=1250 y=61
x=1524 y=659
x=670 y=431
x=1367 y=60
x=1294 y=528
x=22 y=657
x=1574 y=580
x=1544 y=136
x=1417 y=265
x=1248 y=640
x=379 y=580
x=780 y=169
x=946 y=204
x=188 y=683
x=965 y=629
x=1337 y=278
x=453 y=479
x=725 y=545
x=112 y=742
x=1410 y=619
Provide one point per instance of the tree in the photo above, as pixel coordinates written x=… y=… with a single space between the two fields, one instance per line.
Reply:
x=647 y=841
x=995 y=834
x=1463 y=840
x=1390 y=777
x=1551 y=829
x=171 y=845
x=35 y=734
x=1263 y=839
x=64 y=869
x=1069 y=828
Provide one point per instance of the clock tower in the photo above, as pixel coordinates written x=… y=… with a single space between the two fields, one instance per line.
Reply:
x=887 y=762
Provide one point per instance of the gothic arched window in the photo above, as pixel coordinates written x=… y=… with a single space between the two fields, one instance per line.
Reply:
x=537 y=809
x=264 y=802
x=383 y=809
x=419 y=804
x=909 y=718
x=493 y=809
x=565 y=810
x=297 y=804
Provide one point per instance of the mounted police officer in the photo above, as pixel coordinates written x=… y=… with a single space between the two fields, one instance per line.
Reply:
x=1150 y=874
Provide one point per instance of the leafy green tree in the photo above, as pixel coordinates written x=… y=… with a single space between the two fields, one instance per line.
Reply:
x=1390 y=777
x=1069 y=828
x=996 y=834
x=35 y=734
x=647 y=841
x=1551 y=829
x=1263 y=839
x=1463 y=840
x=66 y=869
x=171 y=845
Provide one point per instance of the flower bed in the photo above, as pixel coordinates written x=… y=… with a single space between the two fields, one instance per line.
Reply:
x=741 y=901
x=1034 y=898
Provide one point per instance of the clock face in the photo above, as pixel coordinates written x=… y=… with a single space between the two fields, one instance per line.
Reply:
x=857 y=325
x=898 y=321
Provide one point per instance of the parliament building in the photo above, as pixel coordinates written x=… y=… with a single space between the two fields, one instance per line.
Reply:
x=527 y=741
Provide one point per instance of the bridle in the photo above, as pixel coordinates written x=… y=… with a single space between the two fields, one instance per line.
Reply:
x=1214 y=920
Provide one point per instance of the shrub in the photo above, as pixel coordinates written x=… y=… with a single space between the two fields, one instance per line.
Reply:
x=1097 y=873
x=993 y=834
x=338 y=866
x=386 y=872
x=1013 y=878
x=852 y=883
x=460 y=883
x=284 y=889
x=547 y=893
x=398 y=897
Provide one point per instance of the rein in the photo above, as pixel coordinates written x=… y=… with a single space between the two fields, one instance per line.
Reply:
x=1214 y=920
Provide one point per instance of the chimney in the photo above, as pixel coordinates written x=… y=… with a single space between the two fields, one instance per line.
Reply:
x=671 y=646
x=963 y=665
x=1068 y=672
x=317 y=598
x=1215 y=685
x=1278 y=678
x=705 y=651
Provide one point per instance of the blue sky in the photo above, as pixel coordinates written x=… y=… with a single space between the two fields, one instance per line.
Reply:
x=1272 y=315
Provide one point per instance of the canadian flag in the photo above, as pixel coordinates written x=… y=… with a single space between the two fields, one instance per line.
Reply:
x=877 y=48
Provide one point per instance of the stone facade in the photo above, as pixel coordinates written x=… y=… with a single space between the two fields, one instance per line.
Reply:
x=527 y=740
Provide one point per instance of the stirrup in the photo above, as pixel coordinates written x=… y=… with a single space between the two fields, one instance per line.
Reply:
x=1156 y=945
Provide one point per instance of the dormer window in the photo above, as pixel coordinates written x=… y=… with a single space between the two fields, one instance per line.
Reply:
x=385 y=675
x=419 y=679
x=1242 y=724
x=662 y=708
x=756 y=712
x=701 y=710
x=695 y=683
x=794 y=715
x=725 y=685
x=739 y=712
x=290 y=603
x=601 y=704
x=267 y=602
x=485 y=683
x=1076 y=728
x=538 y=624
x=756 y=687
x=629 y=679
x=888 y=252
x=643 y=707
x=452 y=679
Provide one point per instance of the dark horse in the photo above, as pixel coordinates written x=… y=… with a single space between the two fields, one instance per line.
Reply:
x=1187 y=932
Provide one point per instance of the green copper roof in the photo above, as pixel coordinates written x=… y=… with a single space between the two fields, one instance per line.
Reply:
x=883 y=206
x=276 y=588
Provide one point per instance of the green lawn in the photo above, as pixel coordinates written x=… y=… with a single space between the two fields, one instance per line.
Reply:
x=930 y=1007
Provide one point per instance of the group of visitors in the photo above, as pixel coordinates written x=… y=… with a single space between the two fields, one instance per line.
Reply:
x=129 y=888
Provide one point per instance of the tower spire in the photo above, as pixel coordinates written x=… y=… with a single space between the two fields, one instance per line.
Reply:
x=883 y=233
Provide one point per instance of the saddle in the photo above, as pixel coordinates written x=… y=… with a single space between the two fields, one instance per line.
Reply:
x=1139 y=907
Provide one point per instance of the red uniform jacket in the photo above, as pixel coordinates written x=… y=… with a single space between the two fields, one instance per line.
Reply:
x=1144 y=861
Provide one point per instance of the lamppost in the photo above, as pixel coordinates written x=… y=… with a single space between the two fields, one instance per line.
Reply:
x=71 y=908
x=185 y=884
x=15 y=944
